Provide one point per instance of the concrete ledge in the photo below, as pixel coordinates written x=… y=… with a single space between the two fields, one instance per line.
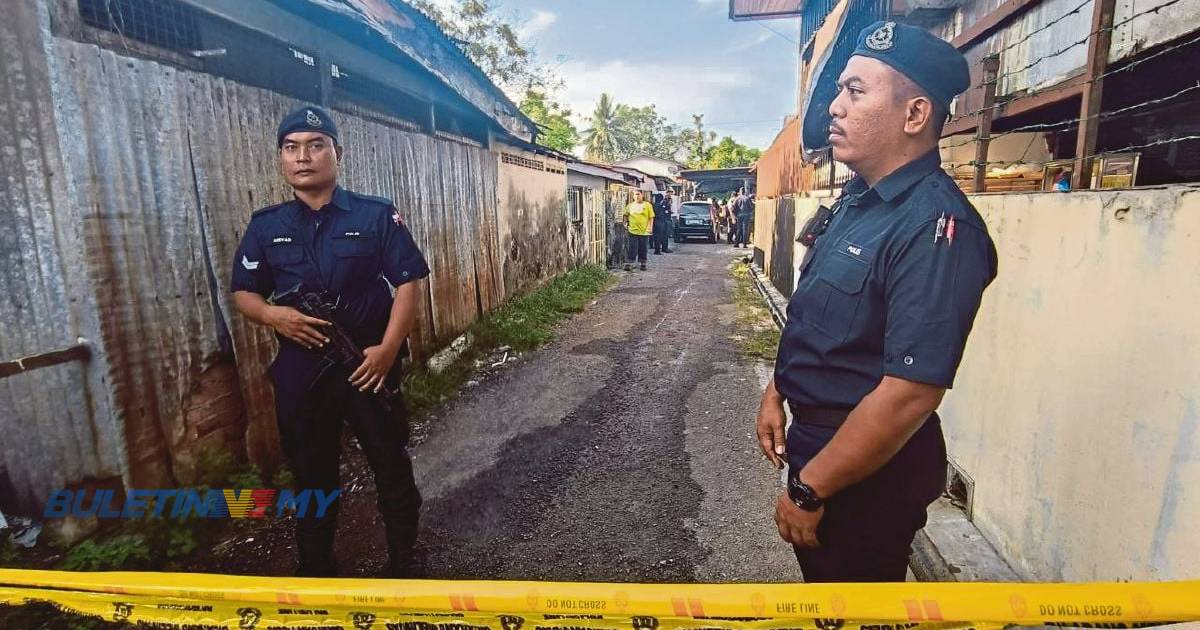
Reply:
x=950 y=548
x=775 y=300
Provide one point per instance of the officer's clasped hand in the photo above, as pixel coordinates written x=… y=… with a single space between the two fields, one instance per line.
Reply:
x=298 y=327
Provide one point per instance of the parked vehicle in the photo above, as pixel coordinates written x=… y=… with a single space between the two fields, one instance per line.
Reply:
x=695 y=221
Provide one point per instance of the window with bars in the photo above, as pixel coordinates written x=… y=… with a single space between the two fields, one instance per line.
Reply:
x=575 y=198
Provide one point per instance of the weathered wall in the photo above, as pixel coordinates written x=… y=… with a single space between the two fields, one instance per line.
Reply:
x=131 y=184
x=1132 y=35
x=535 y=236
x=1076 y=409
x=781 y=169
x=594 y=202
x=1014 y=147
x=58 y=414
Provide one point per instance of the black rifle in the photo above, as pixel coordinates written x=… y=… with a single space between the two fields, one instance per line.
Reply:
x=341 y=349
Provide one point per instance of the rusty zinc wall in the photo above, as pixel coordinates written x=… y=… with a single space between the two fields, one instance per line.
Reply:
x=128 y=238
x=56 y=422
x=781 y=169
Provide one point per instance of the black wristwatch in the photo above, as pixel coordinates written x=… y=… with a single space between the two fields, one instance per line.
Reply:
x=802 y=494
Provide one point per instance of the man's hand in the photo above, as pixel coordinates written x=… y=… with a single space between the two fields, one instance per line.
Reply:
x=297 y=326
x=377 y=362
x=797 y=526
x=769 y=426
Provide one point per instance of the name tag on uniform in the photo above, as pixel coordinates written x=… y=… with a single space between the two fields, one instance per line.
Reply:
x=282 y=239
x=353 y=233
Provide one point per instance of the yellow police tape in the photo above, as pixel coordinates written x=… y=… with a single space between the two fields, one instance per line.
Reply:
x=196 y=601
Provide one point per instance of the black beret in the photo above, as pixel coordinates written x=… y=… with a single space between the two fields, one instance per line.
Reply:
x=307 y=118
x=931 y=62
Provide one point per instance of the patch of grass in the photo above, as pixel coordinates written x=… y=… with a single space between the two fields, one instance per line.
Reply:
x=158 y=543
x=426 y=390
x=283 y=478
x=124 y=552
x=528 y=322
x=9 y=555
x=525 y=323
x=757 y=336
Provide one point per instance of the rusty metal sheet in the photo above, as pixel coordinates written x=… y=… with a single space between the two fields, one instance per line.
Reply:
x=781 y=169
x=54 y=426
x=132 y=184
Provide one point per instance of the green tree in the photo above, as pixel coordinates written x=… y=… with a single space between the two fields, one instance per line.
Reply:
x=492 y=43
x=601 y=139
x=729 y=153
x=553 y=120
x=697 y=141
x=643 y=131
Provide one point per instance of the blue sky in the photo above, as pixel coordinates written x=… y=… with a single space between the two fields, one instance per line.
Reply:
x=683 y=56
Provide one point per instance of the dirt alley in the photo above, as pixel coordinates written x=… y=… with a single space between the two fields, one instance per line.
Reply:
x=623 y=451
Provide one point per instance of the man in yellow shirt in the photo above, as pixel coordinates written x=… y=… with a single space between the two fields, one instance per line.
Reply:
x=639 y=219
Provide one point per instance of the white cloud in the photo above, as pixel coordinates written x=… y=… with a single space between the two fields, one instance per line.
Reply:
x=676 y=91
x=541 y=21
x=747 y=44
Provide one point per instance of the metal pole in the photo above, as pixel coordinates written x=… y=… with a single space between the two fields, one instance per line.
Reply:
x=1089 y=109
x=983 y=134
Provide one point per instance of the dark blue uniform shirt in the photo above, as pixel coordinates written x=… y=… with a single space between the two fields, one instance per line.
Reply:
x=352 y=248
x=886 y=292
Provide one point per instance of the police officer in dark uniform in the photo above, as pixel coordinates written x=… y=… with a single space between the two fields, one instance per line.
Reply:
x=664 y=225
x=877 y=325
x=355 y=249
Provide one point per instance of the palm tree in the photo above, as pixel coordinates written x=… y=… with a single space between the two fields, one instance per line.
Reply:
x=602 y=139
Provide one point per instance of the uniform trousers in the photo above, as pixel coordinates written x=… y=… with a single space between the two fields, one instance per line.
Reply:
x=867 y=530
x=310 y=429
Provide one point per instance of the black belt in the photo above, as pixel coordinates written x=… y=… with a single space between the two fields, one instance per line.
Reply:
x=831 y=417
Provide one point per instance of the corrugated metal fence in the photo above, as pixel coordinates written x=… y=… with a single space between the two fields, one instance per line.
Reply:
x=128 y=236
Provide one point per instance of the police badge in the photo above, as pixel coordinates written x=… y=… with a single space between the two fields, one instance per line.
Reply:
x=314 y=120
x=883 y=37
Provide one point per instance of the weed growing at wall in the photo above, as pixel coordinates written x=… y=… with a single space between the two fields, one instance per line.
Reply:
x=522 y=324
x=120 y=553
x=756 y=334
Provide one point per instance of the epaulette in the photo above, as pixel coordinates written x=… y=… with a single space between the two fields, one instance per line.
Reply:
x=383 y=200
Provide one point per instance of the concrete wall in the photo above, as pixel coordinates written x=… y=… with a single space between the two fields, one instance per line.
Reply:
x=1076 y=410
x=1077 y=407
x=536 y=239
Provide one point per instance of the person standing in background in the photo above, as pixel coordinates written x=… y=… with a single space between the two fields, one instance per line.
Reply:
x=662 y=227
x=639 y=220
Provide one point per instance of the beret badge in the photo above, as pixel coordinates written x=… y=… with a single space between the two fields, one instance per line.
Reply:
x=883 y=38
